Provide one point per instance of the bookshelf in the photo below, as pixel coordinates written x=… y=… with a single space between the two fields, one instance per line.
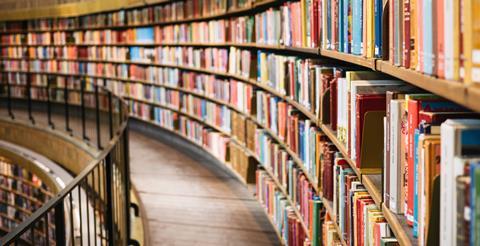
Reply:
x=144 y=107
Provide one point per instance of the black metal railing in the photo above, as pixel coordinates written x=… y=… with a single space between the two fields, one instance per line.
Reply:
x=93 y=209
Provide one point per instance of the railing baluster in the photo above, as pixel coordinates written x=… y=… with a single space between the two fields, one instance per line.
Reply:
x=60 y=224
x=32 y=231
x=47 y=237
x=95 y=198
x=80 y=211
x=72 y=232
x=97 y=115
x=126 y=175
x=87 y=203
x=109 y=199
x=110 y=113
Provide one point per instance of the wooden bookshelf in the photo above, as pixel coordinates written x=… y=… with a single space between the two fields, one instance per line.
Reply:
x=373 y=184
x=358 y=60
x=456 y=91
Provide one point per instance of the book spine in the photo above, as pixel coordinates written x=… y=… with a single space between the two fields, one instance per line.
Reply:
x=427 y=37
x=440 y=41
x=391 y=32
x=406 y=34
x=378 y=28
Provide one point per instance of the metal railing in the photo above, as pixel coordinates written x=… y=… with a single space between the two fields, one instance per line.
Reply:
x=93 y=209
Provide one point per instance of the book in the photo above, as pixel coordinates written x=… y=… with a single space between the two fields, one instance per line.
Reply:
x=458 y=138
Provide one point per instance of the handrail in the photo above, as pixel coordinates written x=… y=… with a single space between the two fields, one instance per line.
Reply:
x=101 y=189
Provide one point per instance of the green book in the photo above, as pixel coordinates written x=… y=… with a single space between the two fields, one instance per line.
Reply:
x=317 y=222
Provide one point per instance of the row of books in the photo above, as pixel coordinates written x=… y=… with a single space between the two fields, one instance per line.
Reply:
x=20 y=188
x=281 y=211
x=412 y=145
x=215 y=142
x=359 y=220
x=298 y=79
x=164 y=12
x=353 y=27
x=435 y=37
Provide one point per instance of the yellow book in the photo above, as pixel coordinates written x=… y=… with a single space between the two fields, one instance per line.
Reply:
x=456 y=41
x=374 y=216
x=263 y=68
x=475 y=53
x=471 y=42
x=324 y=26
x=370 y=29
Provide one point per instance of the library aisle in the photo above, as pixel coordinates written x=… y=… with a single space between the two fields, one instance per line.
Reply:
x=192 y=201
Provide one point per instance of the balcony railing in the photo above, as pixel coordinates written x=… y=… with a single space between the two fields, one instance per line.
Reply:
x=94 y=208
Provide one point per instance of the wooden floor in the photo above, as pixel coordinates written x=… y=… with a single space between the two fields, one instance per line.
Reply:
x=194 y=201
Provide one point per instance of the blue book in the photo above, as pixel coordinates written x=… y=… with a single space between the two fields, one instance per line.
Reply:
x=135 y=54
x=145 y=35
x=357 y=26
x=301 y=142
x=427 y=37
x=378 y=10
x=415 y=182
x=259 y=67
x=341 y=19
x=347 y=7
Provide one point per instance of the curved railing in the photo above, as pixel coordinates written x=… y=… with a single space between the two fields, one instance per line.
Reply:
x=94 y=207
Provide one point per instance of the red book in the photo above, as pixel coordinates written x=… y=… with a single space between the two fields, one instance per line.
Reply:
x=314 y=33
x=328 y=161
x=366 y=103
x=406 y=33
x=334 y=27
x=361 y=203
x=333 y=101
x=438 y=118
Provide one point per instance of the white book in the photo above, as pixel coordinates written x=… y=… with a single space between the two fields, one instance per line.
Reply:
x=449 y=38
x=342 y=110
x=359 y=87
x=395 y=156
x=452 y=134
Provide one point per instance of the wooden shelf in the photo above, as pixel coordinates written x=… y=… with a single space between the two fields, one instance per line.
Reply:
x=358 y=60
x=373 y=184
x=399 y=226
x=333 y=137
x=452 y=90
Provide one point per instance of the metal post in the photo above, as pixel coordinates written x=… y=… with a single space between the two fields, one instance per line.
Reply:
x=29 y=99
x=49 y=106
x=109 y=193
x=67 y=117
x=97 y=115
x=82 y=109
x=9 y=101
x=60 y=224
x=126 y=159
x=110 y=113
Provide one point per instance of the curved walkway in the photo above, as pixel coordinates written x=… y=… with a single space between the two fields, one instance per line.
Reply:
x=189 y=198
